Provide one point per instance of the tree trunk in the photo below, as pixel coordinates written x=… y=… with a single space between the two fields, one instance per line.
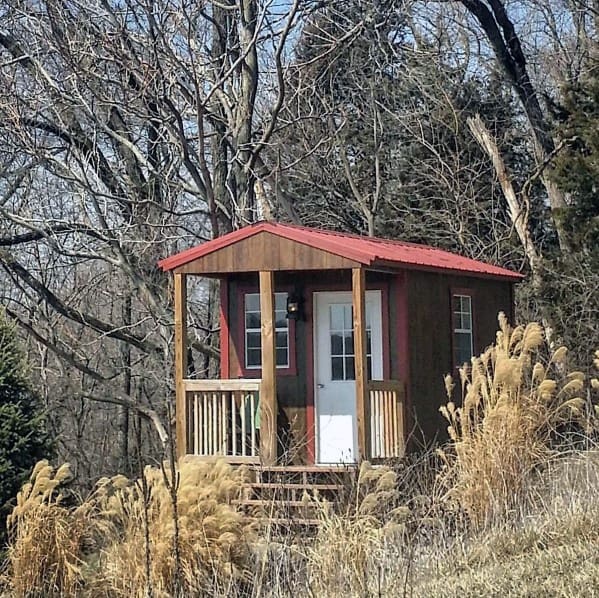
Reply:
x=506 y=45
x=518 y=213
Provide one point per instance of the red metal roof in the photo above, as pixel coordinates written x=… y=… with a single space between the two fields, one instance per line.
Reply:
x=365 y=250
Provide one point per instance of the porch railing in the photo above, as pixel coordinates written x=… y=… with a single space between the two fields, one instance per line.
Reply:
x=223 y=418
x=386 y=419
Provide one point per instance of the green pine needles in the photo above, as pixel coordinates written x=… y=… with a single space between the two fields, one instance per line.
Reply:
x=23 y=436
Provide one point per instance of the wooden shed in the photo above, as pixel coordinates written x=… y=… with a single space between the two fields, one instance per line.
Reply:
x=333 y=346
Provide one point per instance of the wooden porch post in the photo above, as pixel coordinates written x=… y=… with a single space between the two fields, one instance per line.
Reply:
x=360 y=361
x=268 y=387
x=180 y=362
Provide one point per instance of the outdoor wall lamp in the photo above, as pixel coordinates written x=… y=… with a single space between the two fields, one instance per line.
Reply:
x=295 y=306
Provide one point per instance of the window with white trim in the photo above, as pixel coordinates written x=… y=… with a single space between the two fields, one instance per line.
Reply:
x=253 y=343
x=463 y=347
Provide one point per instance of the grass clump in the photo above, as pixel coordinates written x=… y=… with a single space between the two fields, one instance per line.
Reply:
x=516 y=397
x=212 y=536
x=130 y=537
x=354 y=540
x=47 y=539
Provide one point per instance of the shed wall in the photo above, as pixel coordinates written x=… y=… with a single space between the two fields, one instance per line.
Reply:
x=430 y=341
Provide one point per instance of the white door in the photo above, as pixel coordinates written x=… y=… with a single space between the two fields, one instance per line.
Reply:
x=335 y=388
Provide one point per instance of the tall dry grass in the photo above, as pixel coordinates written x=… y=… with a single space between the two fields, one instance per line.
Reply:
x=353 y=537
x=213 y=537
x=120 y=541
x=516 y=397
x=397 y=532
x=47 y=539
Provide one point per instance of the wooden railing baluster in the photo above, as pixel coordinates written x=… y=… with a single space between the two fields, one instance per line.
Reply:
x=386 y=421
x=222 y=418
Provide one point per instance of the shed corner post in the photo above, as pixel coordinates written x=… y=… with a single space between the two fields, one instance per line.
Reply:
x=361 y=362
x=180 y=308
x=268 y=385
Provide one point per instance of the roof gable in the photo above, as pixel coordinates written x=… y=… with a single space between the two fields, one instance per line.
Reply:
x=288 y=247
x=264 y=251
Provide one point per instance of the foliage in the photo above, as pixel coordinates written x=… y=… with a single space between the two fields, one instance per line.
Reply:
x=379 y=544
x=385 y=113
x=47 y=539
x=576 y=166
x=213 y=536
x=356 y=534
x=516 y=396
x=23 y=437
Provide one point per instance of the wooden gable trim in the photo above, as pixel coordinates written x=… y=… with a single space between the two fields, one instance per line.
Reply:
x=266 y=252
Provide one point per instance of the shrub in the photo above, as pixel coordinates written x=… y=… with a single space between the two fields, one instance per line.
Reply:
x=47 y=538
x=212 y=535
x=515 y=396
x=108 y=543
x=23 y=437
x=359 y=538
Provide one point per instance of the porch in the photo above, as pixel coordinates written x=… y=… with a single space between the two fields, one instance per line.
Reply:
x=345 y=377
x=223 y=417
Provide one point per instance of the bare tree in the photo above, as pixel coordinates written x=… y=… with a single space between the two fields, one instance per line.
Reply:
x=127 y=131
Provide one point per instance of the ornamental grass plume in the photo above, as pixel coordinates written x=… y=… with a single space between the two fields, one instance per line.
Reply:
x=213 y=536
x=355 y=536
x=46 y=539
x=516 y=395
x=120 y=541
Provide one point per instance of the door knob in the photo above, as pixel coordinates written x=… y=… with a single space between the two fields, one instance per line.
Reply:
x=320 y=385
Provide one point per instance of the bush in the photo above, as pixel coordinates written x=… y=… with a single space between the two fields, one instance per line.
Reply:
x=23 y=436
x=46 y=538
x=125 y=540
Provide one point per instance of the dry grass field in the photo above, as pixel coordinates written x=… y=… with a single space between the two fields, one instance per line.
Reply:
x=510 y=507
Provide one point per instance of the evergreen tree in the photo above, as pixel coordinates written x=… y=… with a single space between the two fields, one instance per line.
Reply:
x=576 y=167
x=23 y=436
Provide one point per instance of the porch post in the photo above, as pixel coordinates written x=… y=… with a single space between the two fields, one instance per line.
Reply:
x=180 y=362
x=268 y=386
x=360 y=361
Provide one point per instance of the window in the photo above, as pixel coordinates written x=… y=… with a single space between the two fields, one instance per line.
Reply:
x=463 y=348
x=253 y=346
x=342 y=341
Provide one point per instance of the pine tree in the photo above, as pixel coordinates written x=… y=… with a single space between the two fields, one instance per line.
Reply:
x=23 y=436
x=576 y=167
x=384 y=117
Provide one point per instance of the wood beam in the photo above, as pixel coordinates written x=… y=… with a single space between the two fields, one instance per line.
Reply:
x=180 y=363
x=268 y=387
x=360 y=362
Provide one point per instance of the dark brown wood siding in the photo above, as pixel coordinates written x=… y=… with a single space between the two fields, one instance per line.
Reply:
x=419 y=349
x=291 y=388
x=430 y=341
x=265 y=251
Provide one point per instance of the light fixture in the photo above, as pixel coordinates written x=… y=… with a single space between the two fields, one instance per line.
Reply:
x=295 y=304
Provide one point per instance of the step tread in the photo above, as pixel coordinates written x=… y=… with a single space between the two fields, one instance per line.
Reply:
x=264 y=502
x=303 y=468
x=292 y=486
x=288 y=521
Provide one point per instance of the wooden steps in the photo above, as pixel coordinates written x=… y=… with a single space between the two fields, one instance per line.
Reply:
x=291 y=496
x=291 y=486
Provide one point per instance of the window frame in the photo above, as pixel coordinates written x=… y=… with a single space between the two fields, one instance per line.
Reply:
x=468 y=293
x=256 y=371
x=344 y=356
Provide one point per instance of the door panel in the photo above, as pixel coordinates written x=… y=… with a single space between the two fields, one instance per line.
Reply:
x=335 y=389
